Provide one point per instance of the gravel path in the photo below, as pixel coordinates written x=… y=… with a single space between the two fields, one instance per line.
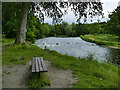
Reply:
x=16 y=76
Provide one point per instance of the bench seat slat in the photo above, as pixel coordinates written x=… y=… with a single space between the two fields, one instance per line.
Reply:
x=39 y=64
x=37 y=67
x=43 y=65
x=33 y=65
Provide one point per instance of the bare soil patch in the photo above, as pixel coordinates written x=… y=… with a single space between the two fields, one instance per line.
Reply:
x=60 y=78
x=16 y=76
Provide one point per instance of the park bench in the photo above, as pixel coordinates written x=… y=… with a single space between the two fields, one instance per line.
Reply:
x=38 y=65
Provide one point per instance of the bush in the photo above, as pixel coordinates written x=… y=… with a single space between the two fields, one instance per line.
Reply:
x=30 y=37
x=3 y=35
x=90 y=56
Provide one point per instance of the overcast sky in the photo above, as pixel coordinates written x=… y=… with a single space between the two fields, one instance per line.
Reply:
x=108 y=6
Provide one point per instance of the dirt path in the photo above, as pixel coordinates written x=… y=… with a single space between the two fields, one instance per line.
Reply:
x=60 y=78
x=16 y=76
x=114 y=47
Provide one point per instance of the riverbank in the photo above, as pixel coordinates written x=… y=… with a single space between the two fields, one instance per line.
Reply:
x=89 y=73
x=106 y=40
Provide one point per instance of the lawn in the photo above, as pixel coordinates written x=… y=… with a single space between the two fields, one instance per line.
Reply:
x=89 y=73
x=103 y=39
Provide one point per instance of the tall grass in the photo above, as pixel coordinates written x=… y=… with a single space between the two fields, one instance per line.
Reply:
x=36 y=81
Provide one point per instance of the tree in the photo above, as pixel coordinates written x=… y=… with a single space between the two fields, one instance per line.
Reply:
x=68 y=30
x=52 y=30
x=10 y=18
x=53 y=10
x=45 y=30
x=113 y=25
x=63 y=27
x=21 y=34
x=33 y=28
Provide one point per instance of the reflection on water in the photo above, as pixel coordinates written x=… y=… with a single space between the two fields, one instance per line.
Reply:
x=78 y=48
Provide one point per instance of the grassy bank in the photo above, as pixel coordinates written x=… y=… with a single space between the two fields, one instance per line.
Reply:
x=89 y=73
x=103 y=39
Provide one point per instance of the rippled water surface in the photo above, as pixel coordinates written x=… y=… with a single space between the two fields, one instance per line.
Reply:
x=78 y=48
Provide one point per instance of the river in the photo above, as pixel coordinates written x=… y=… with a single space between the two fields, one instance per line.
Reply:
x=75 y=46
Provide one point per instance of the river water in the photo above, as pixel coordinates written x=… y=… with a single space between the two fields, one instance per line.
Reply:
x=79 y=48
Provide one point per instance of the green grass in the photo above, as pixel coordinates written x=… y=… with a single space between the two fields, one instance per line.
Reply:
x=8 y=73
x=7 y=41
x=89 y=73
x=61 y=36
x=38 y=82
x=102 y=39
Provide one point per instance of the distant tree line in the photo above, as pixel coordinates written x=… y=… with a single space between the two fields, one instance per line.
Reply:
x=36 y=29
x=54 y=10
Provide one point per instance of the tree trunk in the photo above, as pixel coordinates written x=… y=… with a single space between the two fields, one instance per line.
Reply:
x=21 y=34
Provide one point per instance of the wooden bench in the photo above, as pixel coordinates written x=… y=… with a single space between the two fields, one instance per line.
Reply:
x=38 y=65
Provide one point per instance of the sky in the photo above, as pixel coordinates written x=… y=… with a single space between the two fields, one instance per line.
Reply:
x=108 y=6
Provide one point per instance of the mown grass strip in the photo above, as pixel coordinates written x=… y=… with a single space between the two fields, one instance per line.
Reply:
x=103 y=39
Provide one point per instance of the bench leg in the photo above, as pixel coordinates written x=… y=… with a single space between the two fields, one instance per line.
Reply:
x=39 y=74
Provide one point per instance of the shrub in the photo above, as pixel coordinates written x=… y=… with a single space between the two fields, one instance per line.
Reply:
x=31 y=37
x=3 y=35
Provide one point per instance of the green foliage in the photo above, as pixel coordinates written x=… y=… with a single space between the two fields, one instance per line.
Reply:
x=36 y=30
x=30 y=37
x=7 y=41
x=32 y=28
x=3 y=35
x=78 y=29
x=8 y=73
x=52 y=30
x=45 y=30
x=68 y=30
x=10 y=18
x=90 y=56
x=95 y=28
x=113 y=25
x=63 y=29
